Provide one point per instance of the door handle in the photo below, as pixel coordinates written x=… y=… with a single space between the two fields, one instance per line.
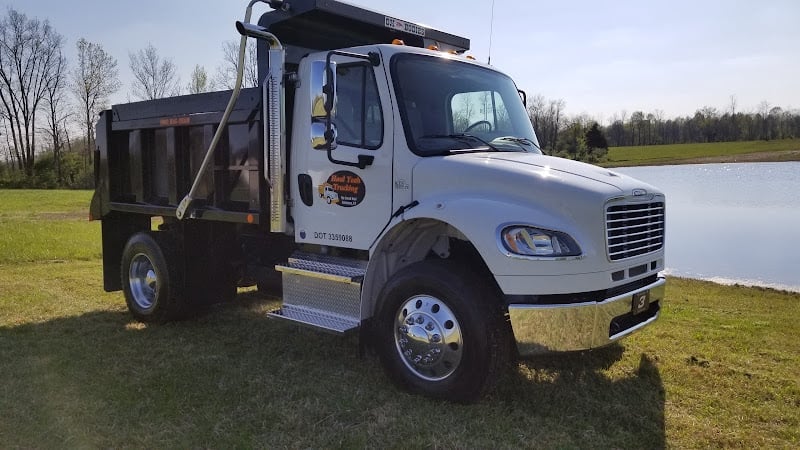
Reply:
x=363 y=160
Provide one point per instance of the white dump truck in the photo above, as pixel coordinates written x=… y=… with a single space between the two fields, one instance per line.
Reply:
x=388 y=185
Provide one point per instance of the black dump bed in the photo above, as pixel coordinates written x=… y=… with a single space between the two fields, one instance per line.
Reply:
x=149 y=153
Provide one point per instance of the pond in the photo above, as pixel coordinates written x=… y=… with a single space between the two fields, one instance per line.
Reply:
x=731 y=223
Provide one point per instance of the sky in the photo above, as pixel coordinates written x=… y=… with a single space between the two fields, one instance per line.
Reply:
x=601 y=58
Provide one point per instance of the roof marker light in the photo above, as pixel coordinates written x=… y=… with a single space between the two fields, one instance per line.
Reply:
x=398 y=42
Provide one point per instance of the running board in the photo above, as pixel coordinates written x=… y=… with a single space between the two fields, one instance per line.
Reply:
x=322 y=292
x=316 y=319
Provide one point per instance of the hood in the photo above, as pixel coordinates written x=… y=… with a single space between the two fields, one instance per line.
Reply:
x=566 y=167
x=531 y=172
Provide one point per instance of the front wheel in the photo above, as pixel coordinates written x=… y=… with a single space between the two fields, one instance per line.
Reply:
x=441 y=331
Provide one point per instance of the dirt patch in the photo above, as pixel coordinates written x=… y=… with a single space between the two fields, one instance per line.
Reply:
x=70 y=215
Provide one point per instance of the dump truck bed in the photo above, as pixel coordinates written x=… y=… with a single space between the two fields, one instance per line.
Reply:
x=148 y=154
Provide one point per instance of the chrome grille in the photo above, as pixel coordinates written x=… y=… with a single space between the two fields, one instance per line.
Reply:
x=634 y=229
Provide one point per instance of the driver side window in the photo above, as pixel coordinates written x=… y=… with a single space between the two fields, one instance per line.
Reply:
x=479 y=112
x=357 y=114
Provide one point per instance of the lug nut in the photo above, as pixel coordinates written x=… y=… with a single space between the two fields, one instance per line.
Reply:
x=429 y=326
x=436 y=338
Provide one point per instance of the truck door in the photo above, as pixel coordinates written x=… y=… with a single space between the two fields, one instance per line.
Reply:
x=336 y=204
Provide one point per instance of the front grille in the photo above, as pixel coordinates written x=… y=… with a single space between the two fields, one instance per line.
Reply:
x=634 y=229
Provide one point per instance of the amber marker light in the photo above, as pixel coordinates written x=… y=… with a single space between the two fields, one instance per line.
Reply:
x=433 y=47
x=398 y=42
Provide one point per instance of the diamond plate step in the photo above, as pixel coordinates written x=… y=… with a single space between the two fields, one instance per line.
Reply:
x=328 y=265
x=316 y=319
x=322 y=292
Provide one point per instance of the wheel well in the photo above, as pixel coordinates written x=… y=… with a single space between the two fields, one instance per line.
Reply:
x=117 y=228
x=413 y=241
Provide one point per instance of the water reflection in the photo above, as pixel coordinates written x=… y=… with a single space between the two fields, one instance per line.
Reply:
x=731 y=222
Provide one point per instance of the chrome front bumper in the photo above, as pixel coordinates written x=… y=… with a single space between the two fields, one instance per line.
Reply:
x=581 y=326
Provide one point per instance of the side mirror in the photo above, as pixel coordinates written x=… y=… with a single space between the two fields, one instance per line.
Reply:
x=323 y=90
x=323 y=100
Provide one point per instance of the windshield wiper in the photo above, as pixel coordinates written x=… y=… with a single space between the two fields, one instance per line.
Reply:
x=461 y=137
x=519 y=141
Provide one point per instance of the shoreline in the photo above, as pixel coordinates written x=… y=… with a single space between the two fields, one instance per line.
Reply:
x=768 y=156
x=739 y=283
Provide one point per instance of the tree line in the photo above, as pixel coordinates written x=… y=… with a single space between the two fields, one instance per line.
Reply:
x=565 y=135
x=49 y=105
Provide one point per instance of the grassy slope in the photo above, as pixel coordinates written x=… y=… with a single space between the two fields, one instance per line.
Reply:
x=690 y=153
x=719 y=369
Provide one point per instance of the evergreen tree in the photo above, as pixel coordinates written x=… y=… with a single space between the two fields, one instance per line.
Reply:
x=595 y=139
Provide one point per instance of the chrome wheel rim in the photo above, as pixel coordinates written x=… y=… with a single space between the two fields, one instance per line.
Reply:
x=143 y=281
x=428 y=337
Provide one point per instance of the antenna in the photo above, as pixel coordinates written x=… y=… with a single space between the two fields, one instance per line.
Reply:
x=491 y=30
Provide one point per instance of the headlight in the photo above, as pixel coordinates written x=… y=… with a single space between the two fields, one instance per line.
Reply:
x=529 y=241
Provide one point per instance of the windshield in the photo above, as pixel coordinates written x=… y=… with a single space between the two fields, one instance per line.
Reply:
x=449 y=106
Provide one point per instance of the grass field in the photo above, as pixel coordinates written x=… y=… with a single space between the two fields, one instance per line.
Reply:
x=775 y=150
x=720 y=369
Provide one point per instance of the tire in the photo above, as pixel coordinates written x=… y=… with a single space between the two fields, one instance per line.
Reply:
x=151 y=279
x=441 y=332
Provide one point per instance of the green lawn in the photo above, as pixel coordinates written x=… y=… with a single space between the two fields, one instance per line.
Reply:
x=720 y=369
x=688 y=153
x=40 y=225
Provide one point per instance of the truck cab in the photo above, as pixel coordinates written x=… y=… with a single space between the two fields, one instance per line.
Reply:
x=390 y=186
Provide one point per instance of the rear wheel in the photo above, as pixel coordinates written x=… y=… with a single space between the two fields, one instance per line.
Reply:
x=151 y=278
x=440 y=331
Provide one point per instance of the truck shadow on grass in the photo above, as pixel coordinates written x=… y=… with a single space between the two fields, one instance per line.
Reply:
x=233 y=378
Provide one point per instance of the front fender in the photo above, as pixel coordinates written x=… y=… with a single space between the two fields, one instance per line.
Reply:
x=480 y=220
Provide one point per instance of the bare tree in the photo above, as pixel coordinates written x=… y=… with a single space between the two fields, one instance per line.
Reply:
x=94 y=79
x=547 y=120
x=225 y=77
x=536 y=110
x=555 y=110
x=57 y=112
x=29 y=51
x=763 y=109
x=9 y=157
x=153 y=77
x=198 y=82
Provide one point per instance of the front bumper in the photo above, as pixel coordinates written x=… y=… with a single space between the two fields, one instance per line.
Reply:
x=581 y=326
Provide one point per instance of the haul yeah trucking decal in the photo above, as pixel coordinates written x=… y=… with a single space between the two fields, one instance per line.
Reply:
x=343 y=188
